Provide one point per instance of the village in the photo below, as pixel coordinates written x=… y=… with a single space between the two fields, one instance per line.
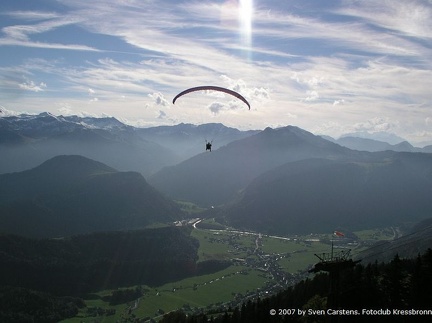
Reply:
x=246 y=250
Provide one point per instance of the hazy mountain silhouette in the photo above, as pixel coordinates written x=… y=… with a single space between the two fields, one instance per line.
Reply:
x=188 y=140
x=214 y=178
x=72 y=194
x=317 y=195
x=372 y=145
x=28 y=140
x=427 y=149
x=32 y=140
x=8 y=136
x=415 y=242
x=381 y=136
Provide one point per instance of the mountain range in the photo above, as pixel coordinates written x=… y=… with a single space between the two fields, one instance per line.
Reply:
x=69 y=195
x=276 y=180
x=214 y=178
x=187 y=140
x=373 y=145
x=287 y=180
x=318 y=195
x=28 y=140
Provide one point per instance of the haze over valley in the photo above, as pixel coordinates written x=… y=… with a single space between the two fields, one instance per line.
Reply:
x=84 y=171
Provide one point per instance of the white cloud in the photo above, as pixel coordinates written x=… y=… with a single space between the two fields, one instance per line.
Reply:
x=7 y=113
x=65 y=111
x=159 y=99
x=216 y=107
x=252 y=94
x=261 y=94
x=376 y=124
x=312 y=96
x=338 y=102
x=33 y=87
x=162 y=115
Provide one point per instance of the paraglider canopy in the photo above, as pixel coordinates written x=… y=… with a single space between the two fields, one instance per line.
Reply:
x=212 y=88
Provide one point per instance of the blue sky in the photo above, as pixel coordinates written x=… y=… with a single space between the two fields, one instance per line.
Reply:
x=330 y=67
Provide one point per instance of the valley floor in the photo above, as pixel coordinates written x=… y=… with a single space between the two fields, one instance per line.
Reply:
x=261 y=266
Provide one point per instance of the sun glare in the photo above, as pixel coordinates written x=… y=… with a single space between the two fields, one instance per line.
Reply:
x=245 y=18
x=245 y=14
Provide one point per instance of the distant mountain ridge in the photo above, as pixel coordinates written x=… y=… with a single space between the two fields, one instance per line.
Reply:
x=28 y=140
x=288 y=180
x=382 y=136
x=38 y=138
x=214 y=178
x=73 y=194
x=317 y=195
x=188 y=140
x=380 y=141
x=371 y=145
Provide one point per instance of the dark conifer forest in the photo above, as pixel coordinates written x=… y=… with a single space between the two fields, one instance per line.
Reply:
x=398 y=291
x=92 y=262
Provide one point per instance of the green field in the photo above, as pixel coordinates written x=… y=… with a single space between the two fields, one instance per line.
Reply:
x=197 y=292
x=247 y=275
x=376 y=234
x=189 y=207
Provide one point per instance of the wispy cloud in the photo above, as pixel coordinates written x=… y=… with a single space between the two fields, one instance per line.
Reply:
x=21 y=35
x=409 y=17
x=31 y=15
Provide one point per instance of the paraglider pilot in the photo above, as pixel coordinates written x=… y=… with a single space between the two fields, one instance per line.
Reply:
x=208 y=145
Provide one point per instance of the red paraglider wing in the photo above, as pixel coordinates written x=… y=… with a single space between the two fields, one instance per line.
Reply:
x=213 y=88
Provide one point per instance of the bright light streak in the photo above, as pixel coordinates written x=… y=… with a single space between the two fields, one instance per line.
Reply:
x=245 y=15
x=245 y=18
